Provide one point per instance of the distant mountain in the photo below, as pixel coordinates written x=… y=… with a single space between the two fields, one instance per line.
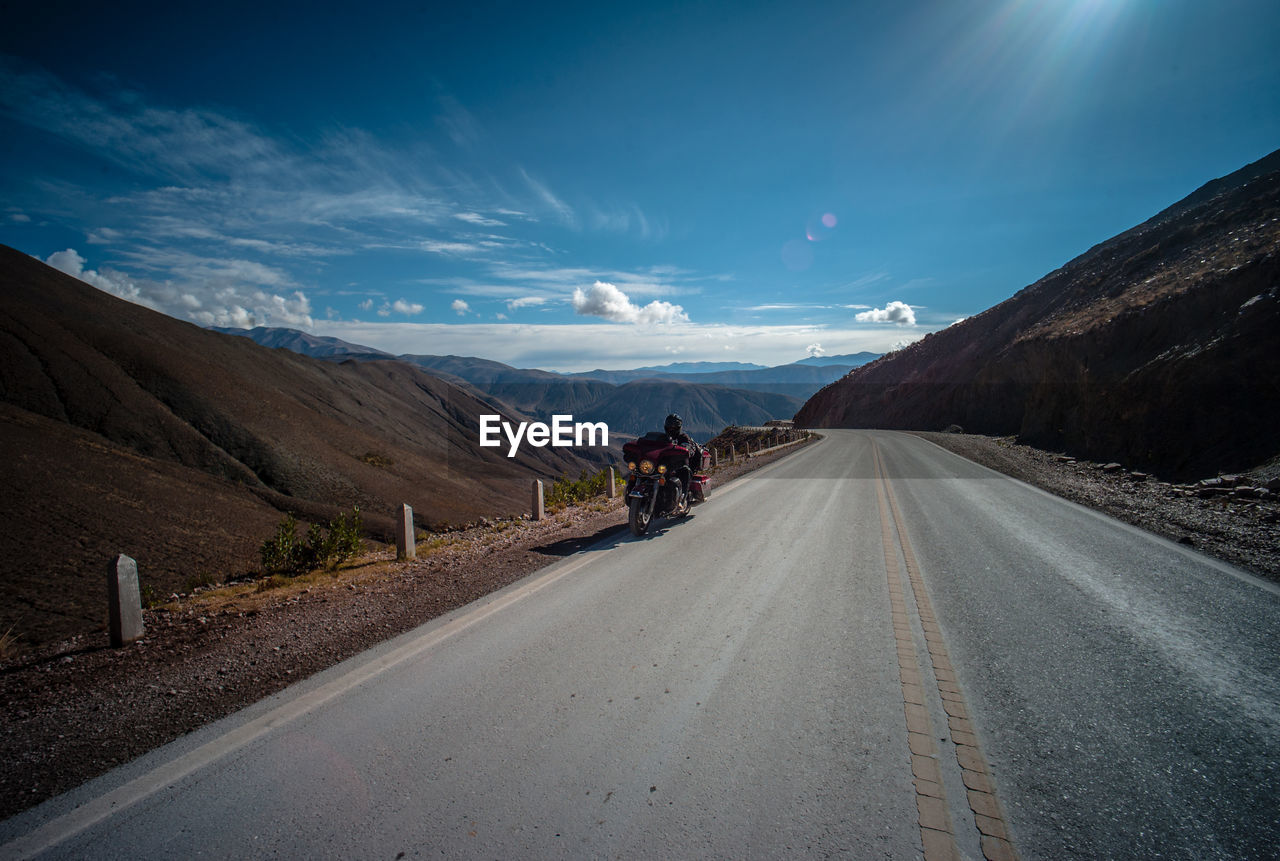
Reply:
x=319 y=346
x=126 y=431
x=641 y=406
x=702 y=367
x=1159 y=348
x=586 y=397
x=795 y=380
x=851 y=360
x=542 y=394
x=535 y=391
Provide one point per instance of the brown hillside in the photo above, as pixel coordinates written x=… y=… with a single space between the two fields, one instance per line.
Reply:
x=1159 y=348
x=128 y=431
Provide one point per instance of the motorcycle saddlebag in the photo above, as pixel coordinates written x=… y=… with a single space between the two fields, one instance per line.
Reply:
x=699 y=487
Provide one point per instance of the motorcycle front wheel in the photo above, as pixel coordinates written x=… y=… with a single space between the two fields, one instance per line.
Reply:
x=638 y=517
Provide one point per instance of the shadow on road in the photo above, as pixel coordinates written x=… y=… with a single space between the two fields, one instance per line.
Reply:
x=569 y=546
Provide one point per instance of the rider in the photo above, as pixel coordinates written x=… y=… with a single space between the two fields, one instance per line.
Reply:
x=673 y=427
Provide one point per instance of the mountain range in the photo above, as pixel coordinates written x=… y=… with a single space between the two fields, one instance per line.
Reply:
x=1158 y=348
x=709 y=396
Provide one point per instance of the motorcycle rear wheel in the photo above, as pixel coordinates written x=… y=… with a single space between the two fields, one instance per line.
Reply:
x=638 y=517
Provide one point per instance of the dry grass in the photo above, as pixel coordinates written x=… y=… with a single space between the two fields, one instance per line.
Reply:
x=7 y=642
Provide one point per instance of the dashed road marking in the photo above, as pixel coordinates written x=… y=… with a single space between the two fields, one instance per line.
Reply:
x=933 y=666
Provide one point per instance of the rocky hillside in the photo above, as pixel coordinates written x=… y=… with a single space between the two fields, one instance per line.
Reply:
x=126 y=431
x=1159 y=348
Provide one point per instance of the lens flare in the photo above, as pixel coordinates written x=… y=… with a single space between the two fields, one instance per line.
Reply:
x=819 y=228
x=797 y=255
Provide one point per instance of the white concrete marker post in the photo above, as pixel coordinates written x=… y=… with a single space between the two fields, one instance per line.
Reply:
x=538 y=512
x=611 y=490
x=406 y=547
x=124 y=601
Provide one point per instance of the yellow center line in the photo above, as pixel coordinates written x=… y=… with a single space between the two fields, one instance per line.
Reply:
x=936 y=830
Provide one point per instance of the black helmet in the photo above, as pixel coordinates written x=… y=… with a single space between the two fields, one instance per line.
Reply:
x=672 y=425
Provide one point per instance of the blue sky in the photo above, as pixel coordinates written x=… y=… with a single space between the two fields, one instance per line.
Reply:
x=572 y=186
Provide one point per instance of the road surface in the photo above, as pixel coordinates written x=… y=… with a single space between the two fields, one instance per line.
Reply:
x=869 y=649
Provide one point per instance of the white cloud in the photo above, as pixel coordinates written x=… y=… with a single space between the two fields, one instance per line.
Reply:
x=215 y=293
x=586 y=345
x=630 y=219
x=895 y=312
x=608 y=302
x=460 y=307
x=478 y=219
x=115 y=283
x=525 y=302
x=401 y=306
x=814 y=350
x=555 y=204
x=459 y=123
x=294 y=310
x=452 y=249
x=104 y=236
x=655 y=282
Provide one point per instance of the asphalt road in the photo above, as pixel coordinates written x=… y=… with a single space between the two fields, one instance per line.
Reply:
x=870 y=649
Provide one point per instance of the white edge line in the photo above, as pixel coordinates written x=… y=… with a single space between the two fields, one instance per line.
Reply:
x=1214 y=562
x=94 y=811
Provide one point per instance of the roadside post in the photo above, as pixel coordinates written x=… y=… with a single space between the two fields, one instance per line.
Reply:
x=405 y=545
x=124 y=601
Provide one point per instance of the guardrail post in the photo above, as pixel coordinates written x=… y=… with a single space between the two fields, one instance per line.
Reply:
x=611 y=490
x=406 y=546
x=538 y=511
x=124 y=601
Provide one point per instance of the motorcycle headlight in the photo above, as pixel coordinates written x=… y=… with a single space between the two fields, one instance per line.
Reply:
x=646 y=466
x=631 y=465
x=662 y=470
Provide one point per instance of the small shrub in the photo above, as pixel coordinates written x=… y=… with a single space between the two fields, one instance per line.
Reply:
x=283 y=552
x=201 y=580
x=344 y=537
x=564 y=491
x=149 y=596
x=286 y=554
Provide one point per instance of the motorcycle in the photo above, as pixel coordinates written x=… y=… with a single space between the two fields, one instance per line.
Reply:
x=655 y=487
